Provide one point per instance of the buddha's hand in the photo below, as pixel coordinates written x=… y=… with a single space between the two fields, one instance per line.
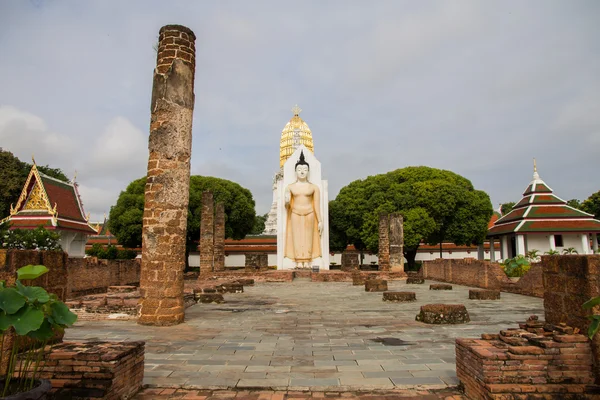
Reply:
x=320 y=227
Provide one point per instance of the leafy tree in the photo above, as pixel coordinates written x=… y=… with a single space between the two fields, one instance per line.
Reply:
x=437 y=205
x=592 y=205
x=574 y=203
x=259 y=224
x=125 y=220
x=505 y=208
x=39 y=238
x=13 y=174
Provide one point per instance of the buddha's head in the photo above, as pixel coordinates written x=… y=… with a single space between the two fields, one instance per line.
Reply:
x=302 y=167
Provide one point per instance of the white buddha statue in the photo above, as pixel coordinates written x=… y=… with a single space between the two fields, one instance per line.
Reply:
x=304 y=221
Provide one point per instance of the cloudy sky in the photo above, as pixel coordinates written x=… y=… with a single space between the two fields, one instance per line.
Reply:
x=478 y=88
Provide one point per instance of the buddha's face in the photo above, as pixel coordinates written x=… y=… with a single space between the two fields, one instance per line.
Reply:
x=302 y=171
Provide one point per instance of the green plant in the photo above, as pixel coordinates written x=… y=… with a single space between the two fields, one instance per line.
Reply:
x=595 y=325
x=29 y=239
x=533 y=255
x=552 y=252
x=570 y=250
x=516 y=267
x=111 y=252
x=33 y=317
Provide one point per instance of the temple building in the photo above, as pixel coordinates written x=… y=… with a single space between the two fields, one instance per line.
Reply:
x=543 y=221
x=295 y=133
x=54 y=205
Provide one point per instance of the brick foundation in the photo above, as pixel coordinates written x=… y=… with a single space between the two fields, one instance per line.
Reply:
x=440 y=286
x=475 y=294
x=399 y=296
x=443 y=314
x=414 y=280
x=168 y=178
x=536 y=361
x=91 y=275
x=256 y=261
x=376 y=285
x=350 y=260
x=103 y=370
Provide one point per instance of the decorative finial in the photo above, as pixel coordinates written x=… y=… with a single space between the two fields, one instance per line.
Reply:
x=74 y=176
x=536 y=176
x=33 y=159
x=296 y=110
x=534 y=165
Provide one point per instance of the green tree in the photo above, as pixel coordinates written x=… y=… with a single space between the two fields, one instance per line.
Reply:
x=505 y=208
x=592 y=205
x=125 y=220
x=259 y=224
x=13 y=174
x=574 y=203
x=437 y=205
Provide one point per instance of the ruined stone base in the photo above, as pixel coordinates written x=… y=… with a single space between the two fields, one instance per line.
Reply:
x=399 y=296
x=440 y=286
x=476 y=294
x=245 y=281
x=443 y=314
x=537 y=361
x=376 y=285
x=104 y=370
x=230 y=288
x=208 y=298
x=414 y=280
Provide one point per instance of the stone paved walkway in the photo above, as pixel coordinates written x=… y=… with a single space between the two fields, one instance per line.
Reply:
x=312 y=336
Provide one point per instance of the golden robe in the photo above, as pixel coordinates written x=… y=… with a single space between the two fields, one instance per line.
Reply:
x=303 y=242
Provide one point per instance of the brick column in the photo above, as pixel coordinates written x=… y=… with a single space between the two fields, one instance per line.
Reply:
x=384 y=242
x=207 y=233
x=396 y=238
x=219 y=261
x=570 y=281
x=350 y=260
x=168 y=179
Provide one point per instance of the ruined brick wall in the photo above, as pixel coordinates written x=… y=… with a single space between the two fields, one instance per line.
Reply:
x=256 y=261
x=91 y=275
x=536 y=361
x=207 y=233
x=106 y=370
x=396 y=239
x=570 y=281
x=219 y=259
x=384 y=242
x=350 y=260
x=168 y=178
x=482 y=274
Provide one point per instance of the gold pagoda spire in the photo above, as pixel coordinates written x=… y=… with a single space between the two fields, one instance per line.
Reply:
x=295 y=133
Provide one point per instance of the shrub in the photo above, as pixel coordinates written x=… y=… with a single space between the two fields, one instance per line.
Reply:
x=516 y=267
x=39 y=238
x=552 y=252
x=595 y=324
x=111 y=252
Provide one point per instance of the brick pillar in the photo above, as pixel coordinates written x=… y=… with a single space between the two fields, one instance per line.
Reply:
x=396 y=238
x=219 y=261
x=350 y=260
x=168 y=180
x=207 y=233
x=570 y=281
x=384 y=242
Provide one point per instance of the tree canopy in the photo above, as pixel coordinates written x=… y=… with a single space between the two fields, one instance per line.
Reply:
x=125 y=220
x=437 y=205
x=505 y=208
x=13 y=174
x=592 y=205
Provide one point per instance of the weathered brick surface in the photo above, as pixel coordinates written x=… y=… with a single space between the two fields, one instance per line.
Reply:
x=207 y=233
x=384 y=242
x=440 y=286
x=396 y=239
x=443 y=314
x=376 y=285
x=219 y=259
x=399 y=296
x=210 y=298
x=256 y=261
x=103 y=370
x=350 y=260
x=168 y=179
x=483 y=274
x=91 y=275
x=480 y=294
x=414 y=280
x=535 y=361
x=570 y=281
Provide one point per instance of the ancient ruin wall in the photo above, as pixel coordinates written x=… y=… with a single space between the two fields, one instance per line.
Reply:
x=219 y=259
x=91 y=275
x=168 y=178
x=384 y=242
x=350 y=260
x=396 y=239
x=207 y=233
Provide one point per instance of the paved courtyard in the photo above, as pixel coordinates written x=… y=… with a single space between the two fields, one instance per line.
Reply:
x=312 y=336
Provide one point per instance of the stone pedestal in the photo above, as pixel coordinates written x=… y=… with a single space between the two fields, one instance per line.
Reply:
x=350 y=260
x=168 y=179
x=376 y=285
x=440 y=286
x=399 y=296
x=443 y=314
x=475 y=294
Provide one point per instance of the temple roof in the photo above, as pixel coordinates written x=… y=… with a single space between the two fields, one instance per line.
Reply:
x=304 y=136
x=540 y=211
x=49 y=202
